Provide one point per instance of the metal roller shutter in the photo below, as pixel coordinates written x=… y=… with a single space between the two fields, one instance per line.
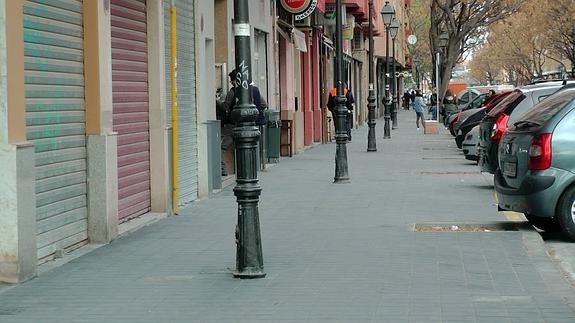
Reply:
x=130 y=105
x=186 y=81
x=55 y=120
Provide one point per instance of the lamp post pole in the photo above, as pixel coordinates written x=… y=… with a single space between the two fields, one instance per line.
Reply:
x=394 y=28
x=249 y=258
x=417 y=85
x=371 y=143
x=341 y=172
x=387 y=12
x=437 y=83
x=443 y=40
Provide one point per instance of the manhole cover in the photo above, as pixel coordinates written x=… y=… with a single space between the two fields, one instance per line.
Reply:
x=450 y=173
x=451 y=227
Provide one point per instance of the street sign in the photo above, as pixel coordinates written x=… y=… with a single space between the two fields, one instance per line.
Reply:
x=299 y=8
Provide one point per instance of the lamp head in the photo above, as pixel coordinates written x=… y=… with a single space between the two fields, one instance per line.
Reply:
x=393 y=28
x=443 y=39
x=387 y=13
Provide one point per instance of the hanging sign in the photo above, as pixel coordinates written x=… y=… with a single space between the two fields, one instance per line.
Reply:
x=299 y=8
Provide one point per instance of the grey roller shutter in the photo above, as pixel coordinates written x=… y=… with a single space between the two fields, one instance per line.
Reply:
x=187 y=116
x=55 y=120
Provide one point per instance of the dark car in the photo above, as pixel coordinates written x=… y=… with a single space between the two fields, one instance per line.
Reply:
x=463 y=111
x=536 y=174
x=471 y=121
x=495 y=123
x=475 y=103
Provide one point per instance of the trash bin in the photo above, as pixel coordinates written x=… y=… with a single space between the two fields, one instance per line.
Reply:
x=273 y=136
x=214 y=154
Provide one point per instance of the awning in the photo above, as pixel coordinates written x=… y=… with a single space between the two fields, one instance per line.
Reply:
x=292 y=35
x=328 y=43
x=299 y=40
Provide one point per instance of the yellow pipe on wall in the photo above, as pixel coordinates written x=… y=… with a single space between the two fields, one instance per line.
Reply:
x=174 y=108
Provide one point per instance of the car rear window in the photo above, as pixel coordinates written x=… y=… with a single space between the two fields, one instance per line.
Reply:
x=547 y=109
x=508 y=100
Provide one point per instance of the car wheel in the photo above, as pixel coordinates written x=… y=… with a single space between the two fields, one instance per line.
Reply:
x=566 y=212
x=459 y=141
x=545 y=224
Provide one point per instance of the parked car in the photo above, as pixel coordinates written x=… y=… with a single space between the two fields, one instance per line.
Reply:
x=467 y=96
x=469 y=145
x=536 y=174
x=495 y=123
x=474 y=119
x=474 y=104
x=454 y=117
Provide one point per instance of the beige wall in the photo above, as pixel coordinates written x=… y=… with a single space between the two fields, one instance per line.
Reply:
x=221 y=31
x=98 y=69
x=15 y=72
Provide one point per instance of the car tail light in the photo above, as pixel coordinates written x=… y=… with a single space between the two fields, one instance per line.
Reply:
x=499 y=127
x=540 y=152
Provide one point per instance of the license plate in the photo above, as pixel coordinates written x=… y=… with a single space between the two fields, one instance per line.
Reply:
x=510 y=169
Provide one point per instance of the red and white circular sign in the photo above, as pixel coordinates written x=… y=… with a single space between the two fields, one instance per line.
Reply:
x=295 y=6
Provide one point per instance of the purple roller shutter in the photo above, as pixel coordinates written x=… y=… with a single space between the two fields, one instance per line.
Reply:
x=130 y=105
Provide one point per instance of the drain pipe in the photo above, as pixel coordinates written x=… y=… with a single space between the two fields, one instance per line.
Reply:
x=174 y=107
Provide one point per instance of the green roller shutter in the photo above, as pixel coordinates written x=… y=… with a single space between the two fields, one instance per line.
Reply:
x=55 y=120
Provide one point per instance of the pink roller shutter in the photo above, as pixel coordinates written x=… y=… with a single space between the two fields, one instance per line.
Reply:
x=130 y=105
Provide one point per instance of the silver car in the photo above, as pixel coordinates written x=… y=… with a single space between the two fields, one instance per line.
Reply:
x=536 y=174
x=469 y=145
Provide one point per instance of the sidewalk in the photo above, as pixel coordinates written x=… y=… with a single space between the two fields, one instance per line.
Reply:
x=332 y=252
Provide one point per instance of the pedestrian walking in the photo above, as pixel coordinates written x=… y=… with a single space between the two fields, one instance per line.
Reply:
x=349 y=102
x=406 y=98
x=418 y=107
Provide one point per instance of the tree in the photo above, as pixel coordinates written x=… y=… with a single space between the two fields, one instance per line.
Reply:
x=483 y=67
x=561 y=24
x=521 y=44
x=419 y=18
x=466 y=23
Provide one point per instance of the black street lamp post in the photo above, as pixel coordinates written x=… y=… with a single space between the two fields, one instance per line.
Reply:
x=387 y=12
x=249 y=257
x=371 y=143
x=341 y=172
x=393 y=29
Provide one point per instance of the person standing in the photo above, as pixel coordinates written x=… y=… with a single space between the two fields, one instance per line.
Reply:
x=418 y=107
x=256 y=97
x=433 y=104
x=229 y=104
x=449 y=106
x=349 y=102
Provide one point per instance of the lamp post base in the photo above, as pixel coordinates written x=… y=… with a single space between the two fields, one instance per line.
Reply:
x=249 y=274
